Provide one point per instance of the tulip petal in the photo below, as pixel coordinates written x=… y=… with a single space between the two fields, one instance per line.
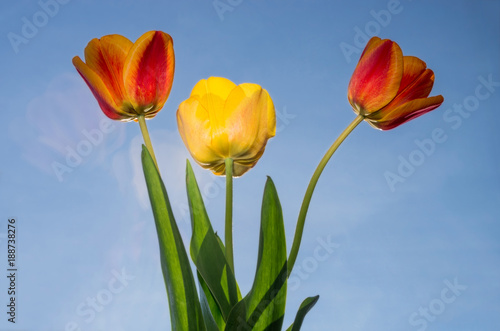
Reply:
x=149 y=72
x=100 y=90
x=371 y=44
x=376 y=79
x=267 y=130
x=243 y=118
x=194 y=127
x=407 y=112
x=271 y=116
x=413 y=67
x=105 y=57
x=418 y=89
x=250 y=122
x=213 y=93
x=219 y=86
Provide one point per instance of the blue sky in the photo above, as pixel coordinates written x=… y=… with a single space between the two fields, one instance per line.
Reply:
x=418 y=253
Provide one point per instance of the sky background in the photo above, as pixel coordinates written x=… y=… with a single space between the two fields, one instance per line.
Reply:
x=420 y=251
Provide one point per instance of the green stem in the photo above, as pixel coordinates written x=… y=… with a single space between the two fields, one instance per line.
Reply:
x=310 y=189
x=229 y=213
x=147 y=140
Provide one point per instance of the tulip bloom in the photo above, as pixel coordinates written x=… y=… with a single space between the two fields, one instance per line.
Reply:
x=221 y=120
x=129 y=79
x=389 y=89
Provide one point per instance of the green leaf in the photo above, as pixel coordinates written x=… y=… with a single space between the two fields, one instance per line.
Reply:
x=185 y=309
x=304 y=308
x=209 y=308
x=208 y=255
x=264 y=306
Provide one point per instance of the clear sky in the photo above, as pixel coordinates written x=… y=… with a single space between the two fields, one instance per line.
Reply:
x=404 y=227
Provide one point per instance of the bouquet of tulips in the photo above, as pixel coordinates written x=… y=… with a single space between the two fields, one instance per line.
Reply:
x=226 y=127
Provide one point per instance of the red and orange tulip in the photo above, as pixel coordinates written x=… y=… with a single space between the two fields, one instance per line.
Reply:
x=129 y=79
x=389 y=89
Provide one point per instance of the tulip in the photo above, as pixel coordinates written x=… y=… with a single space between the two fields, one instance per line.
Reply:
x=389 y=89
x=223 y=121
x=129 y=79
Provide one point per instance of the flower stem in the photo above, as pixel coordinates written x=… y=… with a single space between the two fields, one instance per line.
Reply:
x=147 y=140
x=229 y=213
x=310 y=189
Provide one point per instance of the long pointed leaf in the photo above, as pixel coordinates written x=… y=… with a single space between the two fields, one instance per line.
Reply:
x=264 y=306
x=304 y=308
x=185 y=309
x=209 y=308
x=208 y=256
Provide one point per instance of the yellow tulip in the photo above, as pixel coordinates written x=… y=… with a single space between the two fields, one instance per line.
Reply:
x=222 y=120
